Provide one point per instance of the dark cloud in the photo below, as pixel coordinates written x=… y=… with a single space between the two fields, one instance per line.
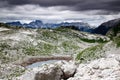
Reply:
x=106 y=5
x=78 y=5
x=43 y=2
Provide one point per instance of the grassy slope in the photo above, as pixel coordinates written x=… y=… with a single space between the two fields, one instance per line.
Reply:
x=91 y=53
x=16 y=43
x=95 y=52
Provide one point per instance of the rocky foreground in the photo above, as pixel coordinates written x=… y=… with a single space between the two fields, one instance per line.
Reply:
x=107 y=68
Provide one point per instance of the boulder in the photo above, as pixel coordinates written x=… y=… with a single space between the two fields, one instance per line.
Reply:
x=51 y=72
x=69 y=69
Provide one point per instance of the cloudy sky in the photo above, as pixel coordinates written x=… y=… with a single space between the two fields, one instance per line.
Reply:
x=93 y=12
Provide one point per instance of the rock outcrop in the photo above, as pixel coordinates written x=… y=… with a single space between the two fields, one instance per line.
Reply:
x=69 y=69
x=57 y=71
x=107 y=68
x=49 y=73
x=101 y=69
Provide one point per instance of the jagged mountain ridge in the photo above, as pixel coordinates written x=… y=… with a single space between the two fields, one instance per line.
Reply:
x=39 y=24
x=34 y=24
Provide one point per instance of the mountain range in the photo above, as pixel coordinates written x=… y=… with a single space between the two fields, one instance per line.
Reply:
x=39 y=24
x=102 y=29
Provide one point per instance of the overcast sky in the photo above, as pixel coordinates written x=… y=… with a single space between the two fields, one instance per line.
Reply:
x=93 y=12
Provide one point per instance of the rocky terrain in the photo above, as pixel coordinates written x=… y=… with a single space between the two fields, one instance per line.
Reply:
x=107 y=68
x=83 y=56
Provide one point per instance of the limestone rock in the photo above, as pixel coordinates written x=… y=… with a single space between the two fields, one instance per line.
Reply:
x=69 y=69
x=49 y=73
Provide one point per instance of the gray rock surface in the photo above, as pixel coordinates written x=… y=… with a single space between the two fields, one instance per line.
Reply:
x=49 y=73
x=101 y=69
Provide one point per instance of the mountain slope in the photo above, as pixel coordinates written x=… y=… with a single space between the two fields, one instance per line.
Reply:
x=114 y=34
x=105 y=27
x=57 y=41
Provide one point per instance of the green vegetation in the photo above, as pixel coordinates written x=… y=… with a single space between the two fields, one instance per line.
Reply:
x=62 y=29
x=4 y=58
x=47 y=42
x=11 y=72
x=17 y=72
x=31 y=50
x=67 y=30
x=117 y=41
x=3 y=46
x=46 y=49
x=93 y=40
x=90 y=53
x=114 y=34
x=69 y=45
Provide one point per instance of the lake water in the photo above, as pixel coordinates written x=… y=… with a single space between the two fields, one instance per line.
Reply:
x=39 y=64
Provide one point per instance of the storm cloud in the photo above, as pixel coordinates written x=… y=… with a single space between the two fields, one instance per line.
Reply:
x=93 y=12
x=77 y=5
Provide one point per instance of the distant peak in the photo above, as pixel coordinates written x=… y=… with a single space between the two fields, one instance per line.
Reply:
x=38 y=21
